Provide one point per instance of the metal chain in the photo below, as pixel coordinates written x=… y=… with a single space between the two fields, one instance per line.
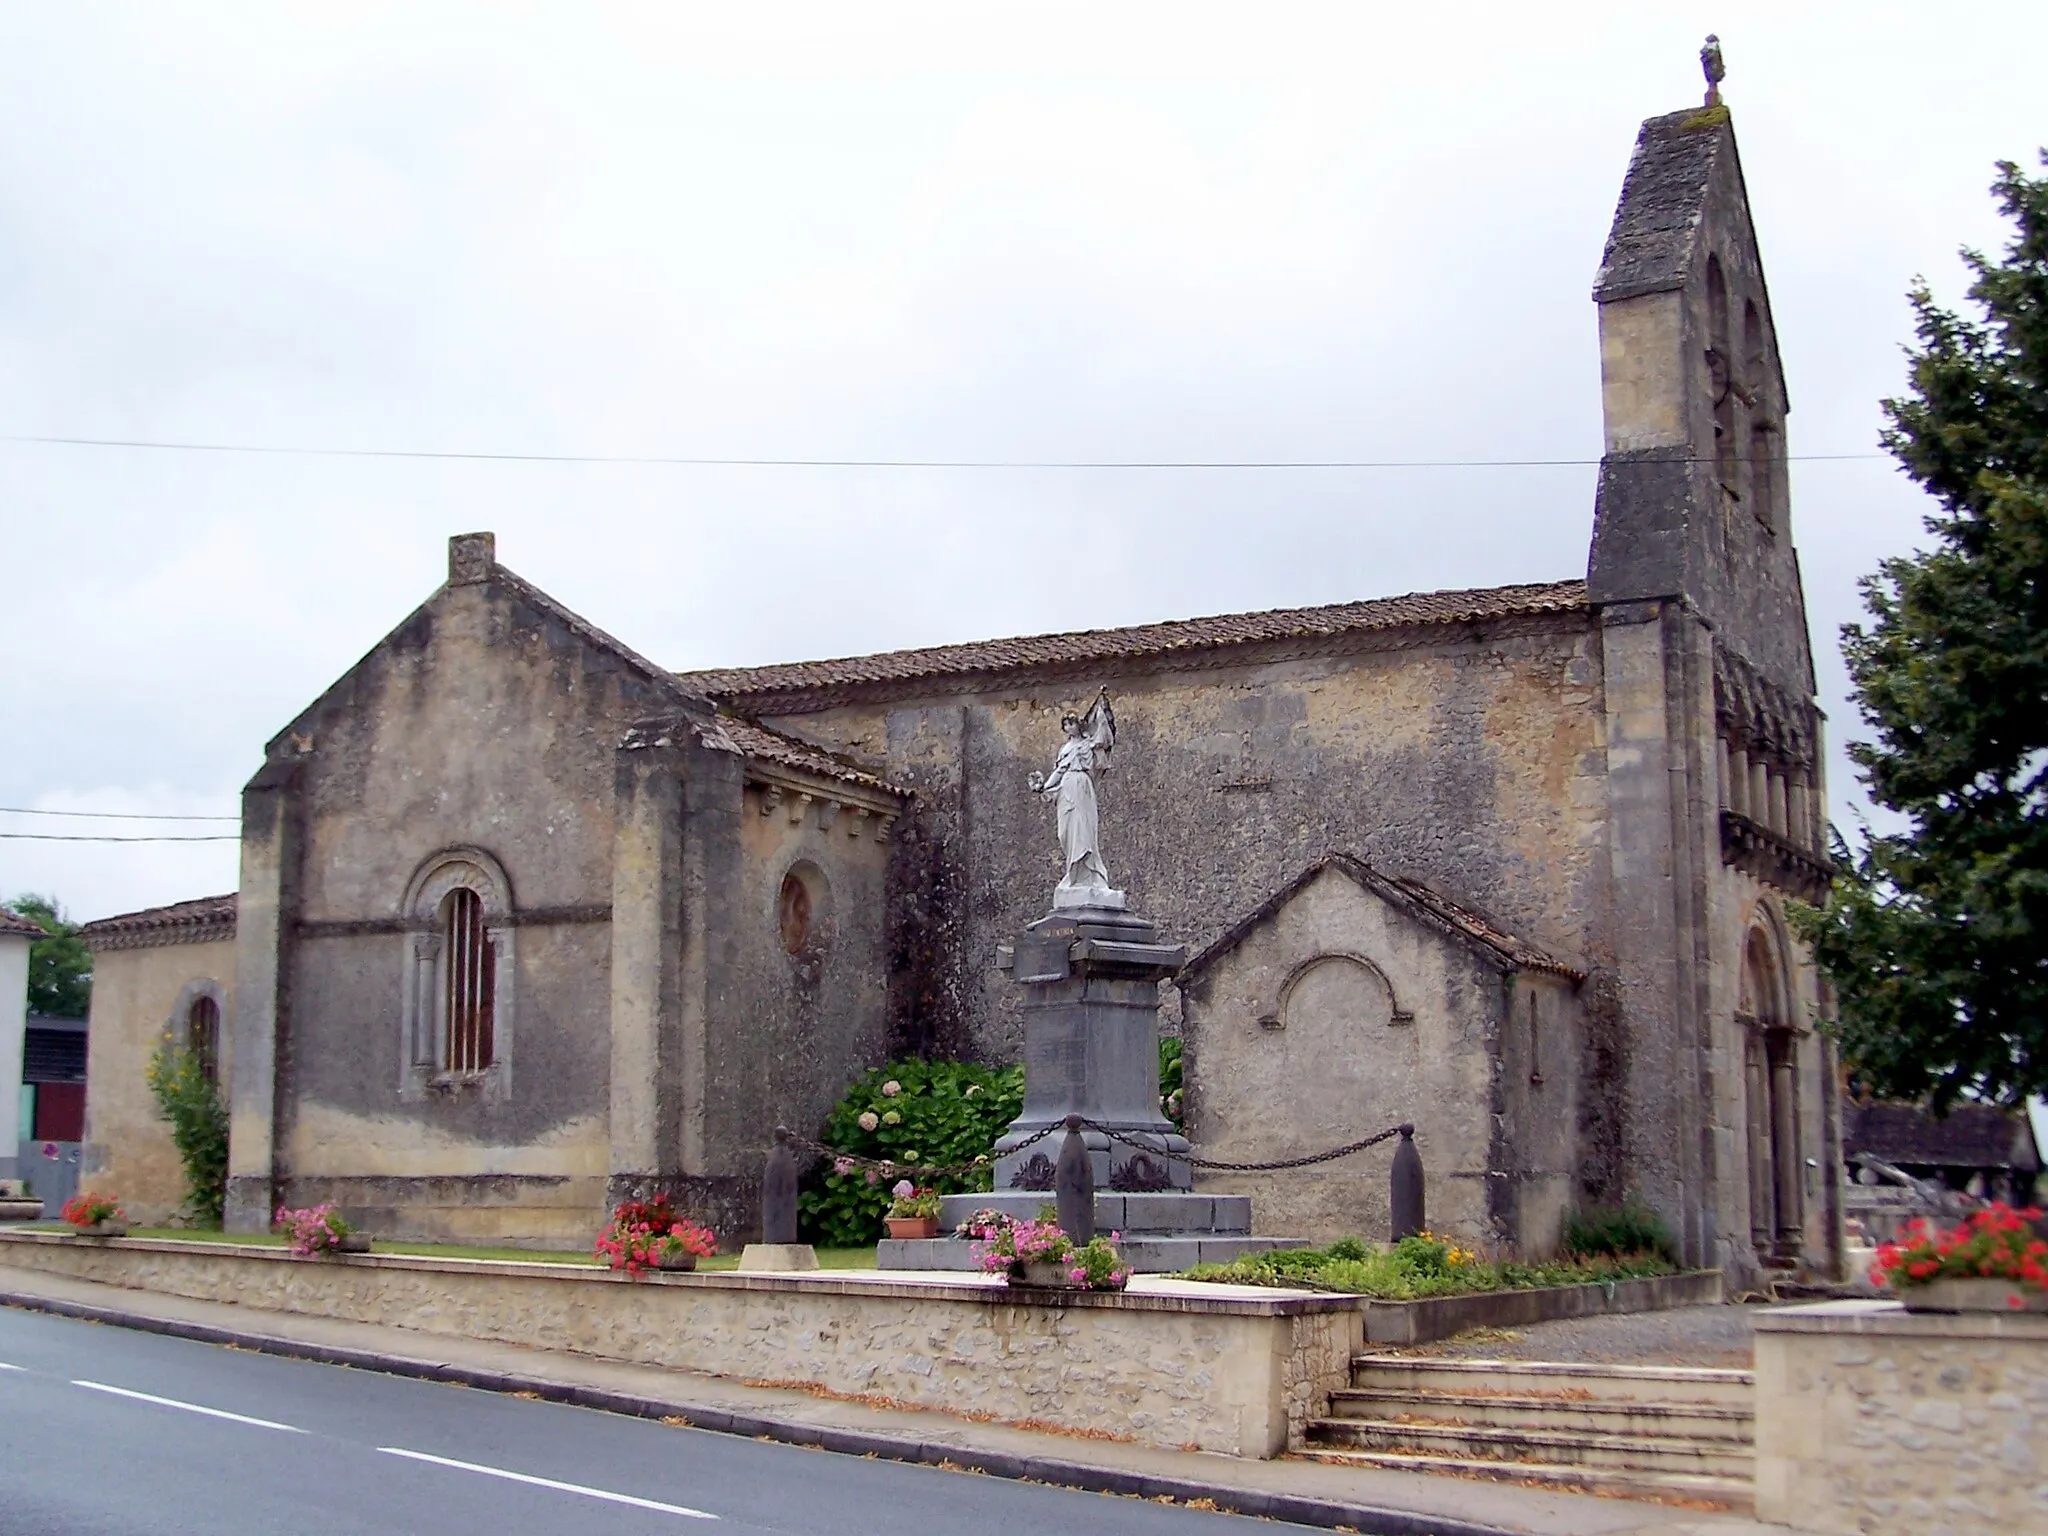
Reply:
x=883 y=1165
x=1308 y=1161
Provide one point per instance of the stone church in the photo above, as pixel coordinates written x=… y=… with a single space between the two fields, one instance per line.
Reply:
x=527 y=921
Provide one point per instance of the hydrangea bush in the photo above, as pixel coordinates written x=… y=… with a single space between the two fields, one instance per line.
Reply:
x=908 y=1112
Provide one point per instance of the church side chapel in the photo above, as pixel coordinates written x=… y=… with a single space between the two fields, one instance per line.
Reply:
x=527 y=923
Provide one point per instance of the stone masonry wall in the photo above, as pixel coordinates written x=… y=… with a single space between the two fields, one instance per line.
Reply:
x=1227 y=1375
x=1469 y=757
x=1879 y=1422
x=136 y=995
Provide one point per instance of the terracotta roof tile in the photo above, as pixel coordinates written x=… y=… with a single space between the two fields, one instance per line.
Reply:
x=182 y=922
x=1144 y=640
x=758 y=741
x=14 y=922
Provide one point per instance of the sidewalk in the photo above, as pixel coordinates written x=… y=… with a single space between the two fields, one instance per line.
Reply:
x=1367 y=1500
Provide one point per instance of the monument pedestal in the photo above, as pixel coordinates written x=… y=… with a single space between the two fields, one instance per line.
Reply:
x=1091 y=978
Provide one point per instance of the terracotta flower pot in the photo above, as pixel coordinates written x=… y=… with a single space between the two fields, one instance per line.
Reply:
x=675 y=1261
x=1973 y=1295
x=1048 y=1275
x=912 y=1226
x=102 y=1229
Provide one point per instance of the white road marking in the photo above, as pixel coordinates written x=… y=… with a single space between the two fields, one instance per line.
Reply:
x=549 y=1482
x=172 y=1402
x=4 y=1366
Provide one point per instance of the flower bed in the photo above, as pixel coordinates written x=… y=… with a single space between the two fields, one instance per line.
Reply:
x=1040 y=1253
x=1996 y=1244
x=318 y=1230
x=649 y=1234
x=94 y=1214
x=1420 y=1267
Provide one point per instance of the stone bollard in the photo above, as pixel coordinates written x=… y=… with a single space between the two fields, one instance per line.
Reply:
x=778 y=1249
x=1407 y=1187
x=778 y=1192
x=1073 y=1183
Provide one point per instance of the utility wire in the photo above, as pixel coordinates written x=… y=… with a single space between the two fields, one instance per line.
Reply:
x=773 y=463
x=22 y=810
x=66 y=837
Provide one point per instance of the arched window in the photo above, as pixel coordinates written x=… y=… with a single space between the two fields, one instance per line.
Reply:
x=1763 y=436
x=468 y=973
x=1722 y=383
x=793 y=913
x=458 y=1003
x=202 y=1035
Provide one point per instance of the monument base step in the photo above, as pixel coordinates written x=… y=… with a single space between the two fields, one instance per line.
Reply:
x=1168 y=1214
x=1145 y=1255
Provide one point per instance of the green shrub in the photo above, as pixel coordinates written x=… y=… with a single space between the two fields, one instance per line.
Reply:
x=1616 y=1231
x=940 y=1112
x=1416 y=1267
x=187 y=1097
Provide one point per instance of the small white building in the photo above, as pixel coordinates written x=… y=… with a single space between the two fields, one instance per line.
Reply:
x=17 y=933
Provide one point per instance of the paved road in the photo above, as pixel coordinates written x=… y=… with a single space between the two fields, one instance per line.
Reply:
x=104 y=1432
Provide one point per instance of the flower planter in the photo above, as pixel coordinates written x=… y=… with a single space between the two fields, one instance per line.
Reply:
x=912 y=1226
x=674 y=1262
x=102 y=1229
x=355 y=1242
x=1973 y=1295
x=1046 y=1275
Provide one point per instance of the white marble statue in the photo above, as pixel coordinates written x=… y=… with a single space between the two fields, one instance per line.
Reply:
x=1084 y=879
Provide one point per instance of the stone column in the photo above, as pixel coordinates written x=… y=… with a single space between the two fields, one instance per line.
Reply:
x=267 y=907
x=1785 y=1163
x=1736 y=798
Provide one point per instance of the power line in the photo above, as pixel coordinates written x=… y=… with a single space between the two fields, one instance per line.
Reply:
x=774 y=463
x=175 y=837
x=22 y=810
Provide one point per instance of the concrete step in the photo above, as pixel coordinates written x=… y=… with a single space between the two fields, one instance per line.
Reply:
x=1550 y=1447
x=1731 y=1422
x=1736 y=1493
x=1554 y=1378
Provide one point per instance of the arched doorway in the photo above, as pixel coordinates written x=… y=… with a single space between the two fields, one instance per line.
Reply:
x=1770 y=1047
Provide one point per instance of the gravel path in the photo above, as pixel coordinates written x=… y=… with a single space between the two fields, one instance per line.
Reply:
x=1713 y=1336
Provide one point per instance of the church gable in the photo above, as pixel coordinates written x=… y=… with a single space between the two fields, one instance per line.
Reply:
x=1432 y=912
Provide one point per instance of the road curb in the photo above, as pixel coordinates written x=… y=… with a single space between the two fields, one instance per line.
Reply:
x=1369 y=1520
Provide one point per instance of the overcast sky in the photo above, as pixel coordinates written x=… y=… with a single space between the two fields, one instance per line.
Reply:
x=868 y=231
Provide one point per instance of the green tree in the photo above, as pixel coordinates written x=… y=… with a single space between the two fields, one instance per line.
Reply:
x=59 y=967
x=1936 y=936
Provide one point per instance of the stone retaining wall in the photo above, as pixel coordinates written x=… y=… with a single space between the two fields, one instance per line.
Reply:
x=1881 y=1422
x=1219 y=1371
x=1438 y=1317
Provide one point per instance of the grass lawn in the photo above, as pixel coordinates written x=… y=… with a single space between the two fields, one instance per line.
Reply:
x=828 y=1258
